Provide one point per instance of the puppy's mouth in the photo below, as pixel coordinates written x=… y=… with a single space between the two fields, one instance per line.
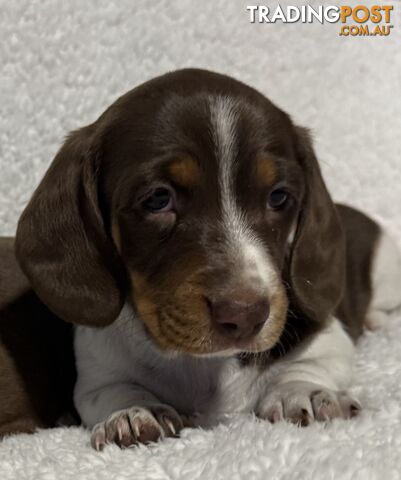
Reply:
x=195 y=327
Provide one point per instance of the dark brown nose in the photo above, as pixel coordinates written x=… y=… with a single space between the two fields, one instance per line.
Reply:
x=238 y=318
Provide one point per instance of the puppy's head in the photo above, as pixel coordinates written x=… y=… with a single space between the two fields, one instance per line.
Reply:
x=196 y=198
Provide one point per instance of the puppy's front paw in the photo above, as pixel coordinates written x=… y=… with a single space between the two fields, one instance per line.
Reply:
x=303 y=402
x=137 y=425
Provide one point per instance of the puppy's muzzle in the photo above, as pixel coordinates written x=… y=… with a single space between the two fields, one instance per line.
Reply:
x=237 y=317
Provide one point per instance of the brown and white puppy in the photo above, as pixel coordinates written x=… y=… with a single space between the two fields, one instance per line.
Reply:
x=190 y=236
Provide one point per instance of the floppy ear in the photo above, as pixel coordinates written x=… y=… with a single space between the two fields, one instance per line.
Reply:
x=317 y=262
x=61 y=242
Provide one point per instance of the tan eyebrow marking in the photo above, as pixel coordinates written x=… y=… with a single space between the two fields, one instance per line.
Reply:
x=185 y=171
x=266 y=171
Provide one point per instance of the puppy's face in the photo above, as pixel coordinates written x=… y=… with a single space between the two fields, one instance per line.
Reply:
x=199 y=182
x=202 y=216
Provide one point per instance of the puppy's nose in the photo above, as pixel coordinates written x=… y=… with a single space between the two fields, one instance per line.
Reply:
x=238 y=318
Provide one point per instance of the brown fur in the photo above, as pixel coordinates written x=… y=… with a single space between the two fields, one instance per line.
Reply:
x=362 y=235
x=36 y=359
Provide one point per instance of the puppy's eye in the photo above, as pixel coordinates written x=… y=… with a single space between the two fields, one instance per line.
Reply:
x=278 y=199
x=161 y=200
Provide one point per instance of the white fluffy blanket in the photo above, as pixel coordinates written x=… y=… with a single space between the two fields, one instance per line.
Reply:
x=63 y=62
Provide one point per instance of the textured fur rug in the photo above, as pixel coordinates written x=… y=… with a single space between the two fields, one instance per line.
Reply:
x=62 y=63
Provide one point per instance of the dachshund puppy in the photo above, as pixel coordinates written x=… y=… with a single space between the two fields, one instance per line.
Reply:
x=189 y=236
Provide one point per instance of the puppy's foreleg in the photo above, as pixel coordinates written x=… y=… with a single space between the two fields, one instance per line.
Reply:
x=310 y=383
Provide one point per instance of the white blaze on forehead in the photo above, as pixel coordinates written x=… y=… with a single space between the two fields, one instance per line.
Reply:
x=246 y=249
